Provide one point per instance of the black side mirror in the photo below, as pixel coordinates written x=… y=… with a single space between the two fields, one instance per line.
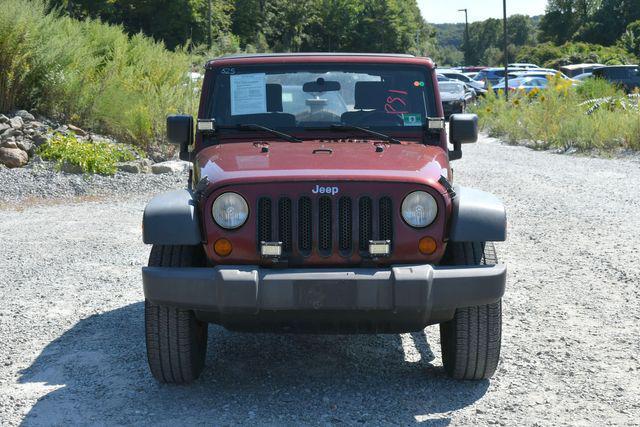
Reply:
x=180 y=132
x=463 y=129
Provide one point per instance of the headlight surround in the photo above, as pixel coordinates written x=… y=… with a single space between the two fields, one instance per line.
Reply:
x=230 y=211
x=419 y=209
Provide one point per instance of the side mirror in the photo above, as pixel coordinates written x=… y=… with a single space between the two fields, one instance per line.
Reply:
x=180 y=132
x=463 y=129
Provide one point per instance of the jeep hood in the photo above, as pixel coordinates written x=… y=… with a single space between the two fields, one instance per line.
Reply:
x=327 y=160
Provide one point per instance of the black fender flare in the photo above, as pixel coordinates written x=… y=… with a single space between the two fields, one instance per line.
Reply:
x=477 y=217
x=172 y=219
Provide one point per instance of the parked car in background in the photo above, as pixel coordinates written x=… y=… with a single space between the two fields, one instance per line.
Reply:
x=577 y=69
x=582 y=77
x=492 y=76
x=478 y=86
x=522 y=65
x=542 y=72
x=472 y=69
x=471 y=75
x=523 y=84
x=455 y=96
x=627 y=76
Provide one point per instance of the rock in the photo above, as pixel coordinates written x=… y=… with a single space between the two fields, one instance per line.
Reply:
x=39 y=139
x=4 y=119
x=11 y=133
x=37 y=125
x=25 y=115
x=77 y=130
x=16 y=122
x=3 y=127
x=13 y=157
x=25 y=145
x=171 y=166
x=9 y=143
x=70 y=168
x=129 y=167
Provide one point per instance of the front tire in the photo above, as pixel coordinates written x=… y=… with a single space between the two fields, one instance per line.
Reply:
x=471 y=341
x=176 y=340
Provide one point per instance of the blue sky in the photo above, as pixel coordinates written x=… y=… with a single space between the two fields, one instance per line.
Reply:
x=441 y=11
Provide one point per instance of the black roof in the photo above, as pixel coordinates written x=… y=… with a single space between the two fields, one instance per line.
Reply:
x=271 y=55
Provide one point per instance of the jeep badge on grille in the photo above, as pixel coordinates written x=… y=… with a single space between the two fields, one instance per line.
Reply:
x=325 y=190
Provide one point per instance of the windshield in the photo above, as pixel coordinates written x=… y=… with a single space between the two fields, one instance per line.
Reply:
x=298 y=96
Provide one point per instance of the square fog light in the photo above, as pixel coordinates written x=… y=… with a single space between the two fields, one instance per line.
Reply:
x=378 y=248
x=271 y=249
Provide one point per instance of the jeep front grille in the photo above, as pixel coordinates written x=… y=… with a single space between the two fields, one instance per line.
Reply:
x=324 y=225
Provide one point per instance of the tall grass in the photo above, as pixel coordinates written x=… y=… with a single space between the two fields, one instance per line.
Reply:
x=90 y=73
x=560 y=117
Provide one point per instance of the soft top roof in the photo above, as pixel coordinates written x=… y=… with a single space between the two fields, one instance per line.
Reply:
x=319 y=57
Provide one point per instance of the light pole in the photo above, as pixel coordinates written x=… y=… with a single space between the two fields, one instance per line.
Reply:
x=209 y=41
x=466 y=36
x=506 y=52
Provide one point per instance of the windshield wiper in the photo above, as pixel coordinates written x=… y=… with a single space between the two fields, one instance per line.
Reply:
x=360 y=129
x=253 y=126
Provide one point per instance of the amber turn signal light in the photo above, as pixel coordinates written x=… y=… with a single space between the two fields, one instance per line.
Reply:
x=427 y=245
x=222 y=247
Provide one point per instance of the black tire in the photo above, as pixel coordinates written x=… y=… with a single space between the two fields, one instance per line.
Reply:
x=470 y=342
x=176 y=340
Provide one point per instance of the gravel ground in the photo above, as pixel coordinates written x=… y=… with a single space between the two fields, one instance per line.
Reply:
x=71 y=329
x=39 y=182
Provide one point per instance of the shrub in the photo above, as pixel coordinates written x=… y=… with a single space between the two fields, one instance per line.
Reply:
x=552 y=56
x=90 y=157
x=559 y=117
x=90 y=73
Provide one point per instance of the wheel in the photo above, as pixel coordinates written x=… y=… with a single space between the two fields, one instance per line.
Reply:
x=176 y=340
x=470 y=342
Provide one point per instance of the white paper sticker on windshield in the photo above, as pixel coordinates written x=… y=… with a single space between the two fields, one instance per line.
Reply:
x=248 y=94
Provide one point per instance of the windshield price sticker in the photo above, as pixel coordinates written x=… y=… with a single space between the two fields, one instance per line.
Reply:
x=248 y=93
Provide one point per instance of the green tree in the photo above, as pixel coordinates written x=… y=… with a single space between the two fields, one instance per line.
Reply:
x=173 y=21
x=630 y=40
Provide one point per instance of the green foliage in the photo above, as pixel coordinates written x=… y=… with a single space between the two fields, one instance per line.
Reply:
x=91 y=74
x=175 y=22
x=561 y=117
x=97 y=157
x=630 y=40
x=552 y=56
x=590 y=21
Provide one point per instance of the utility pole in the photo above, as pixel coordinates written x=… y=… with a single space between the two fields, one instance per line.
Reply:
x=506 y=52
x=466 y=36
x=209 y=41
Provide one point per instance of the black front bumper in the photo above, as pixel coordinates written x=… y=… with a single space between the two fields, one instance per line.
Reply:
x=397 y=298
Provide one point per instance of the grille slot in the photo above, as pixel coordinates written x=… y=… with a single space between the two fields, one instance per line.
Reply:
x=305 y=225
x=345 y=221
x=285 y=224
x=365 y=232
x=324 y=224
x=264 y=220
x=386 y=219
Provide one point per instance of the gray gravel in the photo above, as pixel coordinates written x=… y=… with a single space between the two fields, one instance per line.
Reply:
x=39 y=181
x=71 y=329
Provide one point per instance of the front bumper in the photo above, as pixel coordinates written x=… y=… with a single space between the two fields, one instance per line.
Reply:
x=411 y=296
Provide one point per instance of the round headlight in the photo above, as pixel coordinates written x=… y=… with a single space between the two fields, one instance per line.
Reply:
x=230 y=210
x=419 y=209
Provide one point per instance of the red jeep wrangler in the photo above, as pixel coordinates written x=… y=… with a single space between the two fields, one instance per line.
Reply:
x=321 y=200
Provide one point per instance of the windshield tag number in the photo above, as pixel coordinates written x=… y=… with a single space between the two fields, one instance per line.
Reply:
x=396 y=104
